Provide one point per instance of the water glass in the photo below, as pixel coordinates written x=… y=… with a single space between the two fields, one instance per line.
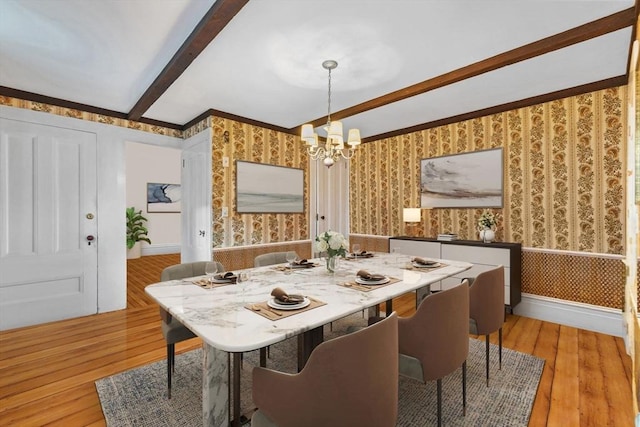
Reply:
x=210 y=269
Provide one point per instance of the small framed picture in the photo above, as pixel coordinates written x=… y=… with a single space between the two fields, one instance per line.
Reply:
x=163 y=198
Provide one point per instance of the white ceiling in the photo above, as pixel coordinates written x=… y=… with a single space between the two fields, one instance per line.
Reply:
x=265 y=65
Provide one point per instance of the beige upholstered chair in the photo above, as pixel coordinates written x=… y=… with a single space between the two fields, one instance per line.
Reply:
x=172 y=330
x=270 y=259
x=434 y=341
x=486 y=308
x=351 y=380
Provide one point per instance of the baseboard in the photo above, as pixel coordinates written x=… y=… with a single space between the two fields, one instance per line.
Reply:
x=583 y=316
x=161 y=249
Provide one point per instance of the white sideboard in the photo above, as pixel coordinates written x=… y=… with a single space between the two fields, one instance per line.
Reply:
x=483 y=256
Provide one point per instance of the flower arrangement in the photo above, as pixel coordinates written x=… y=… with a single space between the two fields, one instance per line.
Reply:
x=333 y=243
x=487 y=220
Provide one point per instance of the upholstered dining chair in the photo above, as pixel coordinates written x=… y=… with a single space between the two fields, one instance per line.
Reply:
x=270 y=259
x=351 y=380
x=486 y=309
x=434 y=341
x=172 y=330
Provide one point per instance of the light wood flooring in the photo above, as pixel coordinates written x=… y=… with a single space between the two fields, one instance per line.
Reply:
x=47 y=372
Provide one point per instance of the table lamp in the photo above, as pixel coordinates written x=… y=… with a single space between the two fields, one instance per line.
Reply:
x=411 y=216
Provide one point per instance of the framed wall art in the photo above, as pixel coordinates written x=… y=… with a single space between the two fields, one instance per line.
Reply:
x=163 y=197
x=465 y=180
x=262 y=188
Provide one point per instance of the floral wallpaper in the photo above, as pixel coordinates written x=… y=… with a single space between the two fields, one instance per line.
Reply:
x=563 y=175
x=241 y=141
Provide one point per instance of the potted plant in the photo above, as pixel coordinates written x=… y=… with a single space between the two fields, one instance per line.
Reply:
x=136 y=232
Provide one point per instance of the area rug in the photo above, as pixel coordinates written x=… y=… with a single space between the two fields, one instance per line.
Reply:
x=138 y=397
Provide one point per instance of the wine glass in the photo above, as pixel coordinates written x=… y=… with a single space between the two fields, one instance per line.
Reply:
x=355 y=248
x=210 y=269
x=291 y=257
x=243 y=278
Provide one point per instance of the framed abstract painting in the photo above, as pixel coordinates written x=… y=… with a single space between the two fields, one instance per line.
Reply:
x=465 y=180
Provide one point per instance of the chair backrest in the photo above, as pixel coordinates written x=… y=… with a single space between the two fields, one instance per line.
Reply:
x=188 y=269
x=438 y=333
x=486 y=301
x=270 y=259
x=351 y=380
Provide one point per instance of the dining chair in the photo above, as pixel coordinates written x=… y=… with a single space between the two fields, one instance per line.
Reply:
x=486 y=309
x=172 y=330
x=271 y=258
x=351 y=380
x=434 y=342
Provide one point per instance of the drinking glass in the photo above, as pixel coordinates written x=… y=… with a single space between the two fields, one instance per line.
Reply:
x=355 y=248
x=243 y=278
x=210 y=269
x=291 y=257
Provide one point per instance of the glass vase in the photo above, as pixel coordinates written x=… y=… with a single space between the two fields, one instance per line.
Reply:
x=332 y=264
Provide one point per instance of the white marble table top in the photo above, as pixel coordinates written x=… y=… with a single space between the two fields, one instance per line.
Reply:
x=220 y=318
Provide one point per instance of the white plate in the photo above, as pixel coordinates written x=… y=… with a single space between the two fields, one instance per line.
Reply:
x=418 y=265
x=372 y=282
x=274 y=304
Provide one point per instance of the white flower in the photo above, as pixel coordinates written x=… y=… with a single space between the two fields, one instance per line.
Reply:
x=487 y=220
x=333 y=243
x=322 y=246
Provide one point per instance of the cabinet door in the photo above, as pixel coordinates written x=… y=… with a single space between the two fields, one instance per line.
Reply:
x=477 y=254
x=415 y=248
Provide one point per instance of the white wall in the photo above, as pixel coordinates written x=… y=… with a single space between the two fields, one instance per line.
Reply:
x=148 y=163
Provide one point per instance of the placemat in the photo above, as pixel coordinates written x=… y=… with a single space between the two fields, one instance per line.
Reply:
x=367 y=288
x=263 y=309
x=205 y=284
x=409 y=266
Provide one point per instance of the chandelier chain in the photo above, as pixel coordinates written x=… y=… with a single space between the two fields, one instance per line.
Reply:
x=329 y=100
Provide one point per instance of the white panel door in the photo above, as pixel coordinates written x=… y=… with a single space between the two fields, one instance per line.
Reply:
x=196 y=198
x=48 y=267
x=329 y=198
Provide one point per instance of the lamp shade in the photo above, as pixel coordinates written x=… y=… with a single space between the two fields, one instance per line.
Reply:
x=354 y=137
x=307 y=134
x=411 y=214
x=335 y=130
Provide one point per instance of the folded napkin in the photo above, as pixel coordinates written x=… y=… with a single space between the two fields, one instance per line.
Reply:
x=363 y=254
x=364 y=274
x=282 y=297
x=423 y=261
x=226 y=275
x=302 y=262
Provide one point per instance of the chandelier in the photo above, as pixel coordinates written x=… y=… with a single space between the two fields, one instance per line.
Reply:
x=333 y=149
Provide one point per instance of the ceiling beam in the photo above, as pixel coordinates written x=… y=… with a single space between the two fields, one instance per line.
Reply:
x=515 y=105
x=567 y=38
x=220 y=14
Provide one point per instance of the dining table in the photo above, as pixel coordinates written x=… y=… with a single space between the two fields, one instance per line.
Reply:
x=232 y=318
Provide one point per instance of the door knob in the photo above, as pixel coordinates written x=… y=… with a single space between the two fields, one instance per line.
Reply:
x=90 y=239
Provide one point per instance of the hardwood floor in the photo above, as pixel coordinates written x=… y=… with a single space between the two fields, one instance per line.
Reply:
x=47 y=372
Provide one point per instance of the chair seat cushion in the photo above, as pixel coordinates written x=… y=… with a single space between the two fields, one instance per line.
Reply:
x=174 y=331
x=473 y=326
x=260 y=420
x=410 y=367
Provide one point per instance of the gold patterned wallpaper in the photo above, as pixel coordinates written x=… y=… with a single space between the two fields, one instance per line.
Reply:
x=241 y=141
x=563 y=175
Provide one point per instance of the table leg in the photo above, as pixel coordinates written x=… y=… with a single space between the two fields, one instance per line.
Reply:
x=306 y=343
x=388 y=308
x=215 y=387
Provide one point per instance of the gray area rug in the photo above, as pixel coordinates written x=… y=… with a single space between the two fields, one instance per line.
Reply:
x=138 y=397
